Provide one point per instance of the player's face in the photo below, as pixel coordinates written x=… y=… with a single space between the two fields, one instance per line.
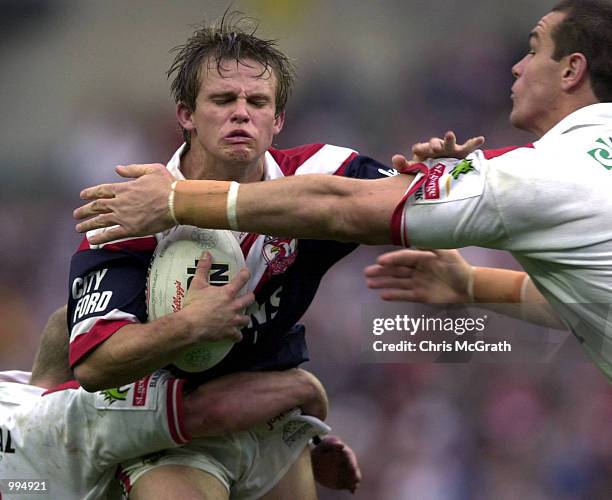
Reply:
x=537 y=89
x=235 y=117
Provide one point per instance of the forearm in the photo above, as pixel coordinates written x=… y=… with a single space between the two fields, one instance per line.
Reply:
x=134 y=351
x=309 y=206
x=493 y=286
x=242 y=400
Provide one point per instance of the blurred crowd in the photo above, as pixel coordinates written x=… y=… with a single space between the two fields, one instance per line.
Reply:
x=83 y=89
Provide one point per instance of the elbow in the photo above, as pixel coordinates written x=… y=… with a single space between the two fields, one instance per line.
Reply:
x=315 y=399
x=89 y=378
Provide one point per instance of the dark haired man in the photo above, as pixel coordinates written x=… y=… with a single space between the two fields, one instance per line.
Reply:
x=231 y=89
x=548 y=203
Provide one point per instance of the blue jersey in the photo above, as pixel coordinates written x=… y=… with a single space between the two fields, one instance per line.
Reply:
x=108 y=282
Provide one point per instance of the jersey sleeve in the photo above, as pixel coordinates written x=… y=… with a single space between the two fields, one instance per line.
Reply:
x=114 y=425
x=107 y=291
x=481 y=200
x=363 y=167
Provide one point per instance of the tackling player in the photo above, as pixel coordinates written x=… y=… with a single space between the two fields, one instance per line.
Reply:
x=547 y=202
x=88 y=434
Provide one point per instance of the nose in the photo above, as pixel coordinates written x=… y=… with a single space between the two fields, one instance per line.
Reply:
x=518 y=68
x=240 y=113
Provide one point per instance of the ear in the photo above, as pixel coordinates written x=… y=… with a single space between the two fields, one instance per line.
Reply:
x=185 y=117
x=279 y=121
x=574 y=71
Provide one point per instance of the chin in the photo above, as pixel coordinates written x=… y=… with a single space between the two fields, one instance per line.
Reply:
x=516 y=120
x=243 y=156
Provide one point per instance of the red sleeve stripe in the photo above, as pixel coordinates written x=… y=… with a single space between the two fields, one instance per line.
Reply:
x=124 y=478
x=325 y=161
x=247 y=243
x=87 y=342
x=345 y=164
x=72 y=384
x=494 y=153
x=399 y=234
x=290 y=159
x=144 y=244
x=174 y=408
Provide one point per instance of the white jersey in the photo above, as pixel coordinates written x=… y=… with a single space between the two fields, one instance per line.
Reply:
x=74 y=439
x=549 y=203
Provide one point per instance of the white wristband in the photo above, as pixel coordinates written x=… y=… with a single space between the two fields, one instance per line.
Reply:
x=470 y=284
x=523 y=294
x=232 y=201
x=171 y=204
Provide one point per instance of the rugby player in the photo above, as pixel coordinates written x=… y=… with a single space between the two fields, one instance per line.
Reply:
x=71 y=441
x=231 y=89
x=546 y=202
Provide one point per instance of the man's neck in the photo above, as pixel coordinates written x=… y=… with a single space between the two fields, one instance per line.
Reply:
x=196 y=166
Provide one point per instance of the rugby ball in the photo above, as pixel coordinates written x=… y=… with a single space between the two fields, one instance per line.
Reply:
x=173 y=267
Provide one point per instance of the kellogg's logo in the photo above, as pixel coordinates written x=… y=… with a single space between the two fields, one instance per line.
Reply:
x=432 y=186
x=279 y=253
x=177 y=300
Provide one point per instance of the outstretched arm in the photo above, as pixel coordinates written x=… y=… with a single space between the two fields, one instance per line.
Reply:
x=444 y=276
x=307 y=206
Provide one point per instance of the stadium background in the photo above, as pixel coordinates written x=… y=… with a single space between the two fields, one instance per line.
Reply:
x=83 y=88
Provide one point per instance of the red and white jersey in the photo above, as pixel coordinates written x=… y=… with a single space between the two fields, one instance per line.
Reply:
x=75 y=439
x=108 y=282
x=548 y=203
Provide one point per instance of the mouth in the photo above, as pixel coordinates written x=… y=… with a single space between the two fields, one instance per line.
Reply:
x=238 y=136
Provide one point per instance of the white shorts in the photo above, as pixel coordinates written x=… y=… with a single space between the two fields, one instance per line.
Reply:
x=248 y=464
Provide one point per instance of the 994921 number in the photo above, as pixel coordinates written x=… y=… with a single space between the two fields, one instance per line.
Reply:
x=24 y=486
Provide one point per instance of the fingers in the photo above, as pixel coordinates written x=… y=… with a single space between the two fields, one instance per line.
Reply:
x=405 y=257
x=98 y=222
x=450 y=141
x=396 y=295
x=473 y=144
x=245 y=300
x=239 y=281
x=200 y=279
x=111 y=234
x=100 y=191
x=377 y=271
x=400 y=162
x=390 y=282
x=135 y=171
x=102 y=206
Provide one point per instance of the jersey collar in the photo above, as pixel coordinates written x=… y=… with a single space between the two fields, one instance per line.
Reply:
x=271 y=168
x=592 y=115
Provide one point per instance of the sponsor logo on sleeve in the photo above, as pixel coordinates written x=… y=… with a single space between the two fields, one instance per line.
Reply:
x=86 y=291
x=432 y=187
x=113 y=395
x=128 y=397
x=450 y=180
x=602 y=153
x=463 y=167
